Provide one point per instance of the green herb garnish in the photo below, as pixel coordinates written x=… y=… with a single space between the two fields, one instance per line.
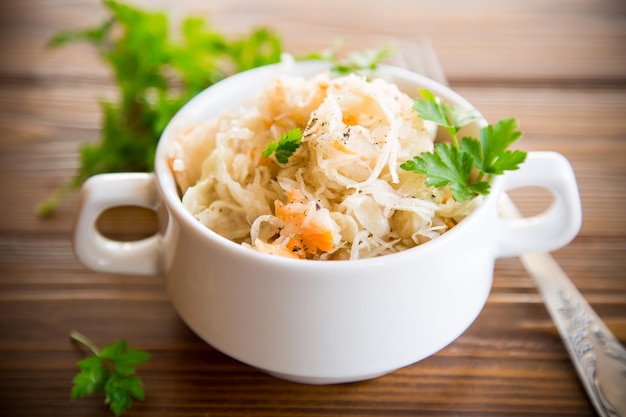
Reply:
x=288 y=143
x=358 y=62
x=451 y=118
x=156 y=74
x=110 y=370
x=454 y=164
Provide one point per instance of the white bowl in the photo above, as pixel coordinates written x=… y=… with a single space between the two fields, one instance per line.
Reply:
x=322 y=322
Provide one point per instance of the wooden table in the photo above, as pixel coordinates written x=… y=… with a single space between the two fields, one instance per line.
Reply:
x=559 y=66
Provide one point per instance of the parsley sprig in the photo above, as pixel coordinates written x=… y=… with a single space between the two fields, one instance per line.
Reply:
x=156 y=73
x=110 y=370
x=454 y=164
x=358 y=62
x=286 y=146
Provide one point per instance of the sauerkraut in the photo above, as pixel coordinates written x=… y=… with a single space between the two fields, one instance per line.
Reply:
x=341 y=195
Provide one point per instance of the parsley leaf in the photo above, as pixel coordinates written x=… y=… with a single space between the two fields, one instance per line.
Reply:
x=110 y=371
x=358 y=62
x=452 y=118
x=454 y=164
x=491 y=154
x=288 y=143
x=362 y=61
x=91 y=378
x=448 y=165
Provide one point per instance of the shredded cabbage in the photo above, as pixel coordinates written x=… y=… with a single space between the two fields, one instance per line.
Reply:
x=341 y=195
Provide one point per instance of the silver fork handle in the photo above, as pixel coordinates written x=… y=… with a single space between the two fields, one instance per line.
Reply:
x=598 y=356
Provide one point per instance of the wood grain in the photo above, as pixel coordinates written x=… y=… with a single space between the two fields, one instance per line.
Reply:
x=559 y=66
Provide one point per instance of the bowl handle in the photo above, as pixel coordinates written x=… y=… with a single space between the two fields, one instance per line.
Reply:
x=95 y=251
x=555 y=227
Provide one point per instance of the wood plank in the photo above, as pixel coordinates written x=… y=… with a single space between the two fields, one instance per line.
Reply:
x=558 y=42
x=490 y=359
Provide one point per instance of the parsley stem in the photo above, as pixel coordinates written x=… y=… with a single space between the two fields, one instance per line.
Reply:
x=83 y=340
x=46 y=208
x=455 y=141
x=453 y=131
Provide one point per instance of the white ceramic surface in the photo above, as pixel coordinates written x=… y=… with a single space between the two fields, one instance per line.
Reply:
x=313 y=321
